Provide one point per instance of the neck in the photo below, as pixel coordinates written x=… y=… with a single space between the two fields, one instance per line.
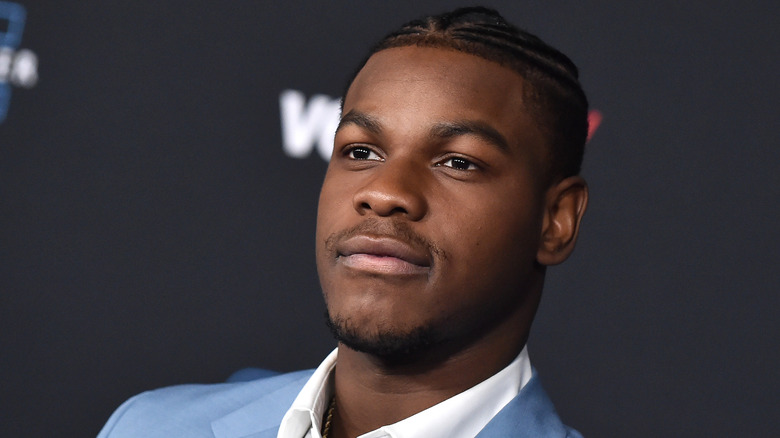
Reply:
x=372 y=391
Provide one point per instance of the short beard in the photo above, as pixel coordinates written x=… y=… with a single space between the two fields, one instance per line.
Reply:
x=386 y=345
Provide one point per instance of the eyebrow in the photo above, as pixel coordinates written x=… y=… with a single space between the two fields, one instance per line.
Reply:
x=446 y=130
x=360 y=120
x=442 y=130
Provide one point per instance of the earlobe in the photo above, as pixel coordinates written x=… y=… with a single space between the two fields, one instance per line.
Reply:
x=565 y=205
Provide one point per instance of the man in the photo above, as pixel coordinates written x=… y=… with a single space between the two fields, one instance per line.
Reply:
x=453 y=184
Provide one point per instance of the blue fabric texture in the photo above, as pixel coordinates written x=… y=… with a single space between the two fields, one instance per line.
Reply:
x=255 y=408
x=247 y=374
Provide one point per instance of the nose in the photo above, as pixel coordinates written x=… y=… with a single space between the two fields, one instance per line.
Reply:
x=393 y=189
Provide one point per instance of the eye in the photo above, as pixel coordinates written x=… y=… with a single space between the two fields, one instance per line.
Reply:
x=458 y=163
x=362 y=153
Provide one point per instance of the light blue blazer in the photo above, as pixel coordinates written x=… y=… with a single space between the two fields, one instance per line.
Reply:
x=255 y=409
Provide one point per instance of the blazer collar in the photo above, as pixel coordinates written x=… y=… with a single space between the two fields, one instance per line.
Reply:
x=529 y=415
x=261 y=418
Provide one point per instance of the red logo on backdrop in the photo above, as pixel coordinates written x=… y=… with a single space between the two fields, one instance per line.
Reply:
x=594 y=120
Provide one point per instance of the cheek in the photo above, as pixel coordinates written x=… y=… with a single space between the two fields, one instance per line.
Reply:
x=327 y=214
x=493 y=242
x=324 y=202
x=334 y=202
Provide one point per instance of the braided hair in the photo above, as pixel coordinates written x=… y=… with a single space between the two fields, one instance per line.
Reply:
x=555 y=98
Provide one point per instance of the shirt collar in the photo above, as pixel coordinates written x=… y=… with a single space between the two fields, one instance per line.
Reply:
x=309 y=407
x=466 y=413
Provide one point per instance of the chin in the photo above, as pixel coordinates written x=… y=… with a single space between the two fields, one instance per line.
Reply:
x=381 y=342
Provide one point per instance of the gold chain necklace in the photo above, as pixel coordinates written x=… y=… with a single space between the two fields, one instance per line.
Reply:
x=329 y=417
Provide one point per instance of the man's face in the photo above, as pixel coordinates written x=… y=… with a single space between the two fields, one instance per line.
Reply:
x=430 y=213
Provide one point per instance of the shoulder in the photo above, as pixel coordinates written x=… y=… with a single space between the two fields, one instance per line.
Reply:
x=530 y=414
x=189 y=410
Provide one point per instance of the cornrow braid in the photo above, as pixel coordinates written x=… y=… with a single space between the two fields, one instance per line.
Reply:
x=555 y=98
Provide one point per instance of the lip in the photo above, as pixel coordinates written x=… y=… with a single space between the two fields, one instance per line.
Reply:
x=383 y=255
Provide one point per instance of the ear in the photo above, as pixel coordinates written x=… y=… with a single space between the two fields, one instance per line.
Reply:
x=565 y=204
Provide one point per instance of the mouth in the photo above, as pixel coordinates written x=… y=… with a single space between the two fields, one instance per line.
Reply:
x=383 y=255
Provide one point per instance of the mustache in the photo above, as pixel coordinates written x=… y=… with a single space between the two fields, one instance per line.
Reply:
x=385 y=228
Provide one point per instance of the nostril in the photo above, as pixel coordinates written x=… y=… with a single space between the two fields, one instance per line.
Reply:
x=381 y=209
x=399 y=210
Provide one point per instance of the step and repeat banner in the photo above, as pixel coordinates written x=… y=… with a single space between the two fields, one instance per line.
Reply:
x=160 y=164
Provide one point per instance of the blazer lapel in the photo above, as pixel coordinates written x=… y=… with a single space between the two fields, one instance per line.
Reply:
x=260 y=418
x=529 y=415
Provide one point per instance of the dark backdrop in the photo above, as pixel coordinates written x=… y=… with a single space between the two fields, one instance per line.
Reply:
x=153 y=231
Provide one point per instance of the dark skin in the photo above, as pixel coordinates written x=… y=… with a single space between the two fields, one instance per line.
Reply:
x=436 y=212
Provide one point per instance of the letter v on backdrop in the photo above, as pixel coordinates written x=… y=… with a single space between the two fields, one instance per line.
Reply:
x=305 y=125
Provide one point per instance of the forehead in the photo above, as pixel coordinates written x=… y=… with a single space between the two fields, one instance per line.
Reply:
x=419 y=86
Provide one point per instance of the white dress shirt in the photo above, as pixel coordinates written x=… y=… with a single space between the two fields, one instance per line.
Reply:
x=460 y=416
